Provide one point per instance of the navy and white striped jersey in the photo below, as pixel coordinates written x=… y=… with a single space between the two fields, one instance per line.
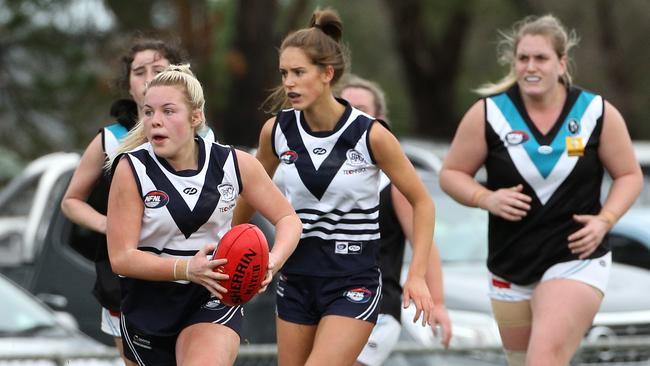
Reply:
x=183 y=211
x=332 y=182
x=560 y=170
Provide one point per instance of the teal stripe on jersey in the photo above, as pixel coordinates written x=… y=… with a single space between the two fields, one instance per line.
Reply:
x=577 y=111
x=117 y=130
x=543 y=162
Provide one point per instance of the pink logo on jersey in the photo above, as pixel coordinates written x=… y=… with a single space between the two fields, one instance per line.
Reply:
x=289 y=157
x=358 y=295
x=156 y=199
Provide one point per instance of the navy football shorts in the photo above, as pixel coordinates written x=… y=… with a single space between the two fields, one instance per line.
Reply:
x=148 y=349
x=306 y=299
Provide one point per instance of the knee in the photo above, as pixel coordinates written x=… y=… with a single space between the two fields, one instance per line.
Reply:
x=550 y=353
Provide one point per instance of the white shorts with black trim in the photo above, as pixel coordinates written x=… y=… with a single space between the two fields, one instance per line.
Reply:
x=381 y=342
x=111 y=323
x=593 y=272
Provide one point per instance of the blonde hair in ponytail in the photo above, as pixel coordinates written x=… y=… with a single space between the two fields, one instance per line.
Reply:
x=548 y=26
x=174 y=75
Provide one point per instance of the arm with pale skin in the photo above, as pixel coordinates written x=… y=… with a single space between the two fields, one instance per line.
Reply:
x=617 y=155
x=74 y=205
x=125 y=209
x=433 y=277
x=392 y=161
x=467 y=153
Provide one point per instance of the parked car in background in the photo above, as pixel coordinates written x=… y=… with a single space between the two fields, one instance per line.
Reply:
x=461 y=236
x=630 y=238
x=45 y=253
x=41 y=250
x=30 y=330
x=642 y=151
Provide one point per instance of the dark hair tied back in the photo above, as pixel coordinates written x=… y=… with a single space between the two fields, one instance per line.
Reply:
x=125 y=111
x=329 y=22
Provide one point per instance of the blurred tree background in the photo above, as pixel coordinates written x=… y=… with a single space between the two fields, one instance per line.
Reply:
x=58 y=58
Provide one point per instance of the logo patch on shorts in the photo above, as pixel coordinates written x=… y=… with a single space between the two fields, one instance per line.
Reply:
x=358 y=295
x=289 y=157
x=156 y=199
x=602 y=263
x=500 y=284
x=214 y=304
x=141 y=342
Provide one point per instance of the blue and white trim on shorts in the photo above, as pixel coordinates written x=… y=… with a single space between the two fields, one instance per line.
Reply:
x=371 y=309
x=593 y=272
x=110 y=323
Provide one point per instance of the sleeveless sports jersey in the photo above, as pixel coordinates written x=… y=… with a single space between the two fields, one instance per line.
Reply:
x=107 y=286
x=561 y=171
x=183 y=211
x=391 y=252
x=332 y=182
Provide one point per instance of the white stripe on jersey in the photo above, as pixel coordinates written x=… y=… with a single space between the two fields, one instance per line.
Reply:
x=192 y=217
x=354 y=186
x=543 y=187
x=110 y=142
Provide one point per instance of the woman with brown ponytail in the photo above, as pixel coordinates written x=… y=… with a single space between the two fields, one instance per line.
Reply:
x=331 y=155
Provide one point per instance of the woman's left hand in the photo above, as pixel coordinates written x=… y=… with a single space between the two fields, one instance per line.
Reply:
x=415 y=288
x=585 y=241
x=269 y=274
x=440 y=319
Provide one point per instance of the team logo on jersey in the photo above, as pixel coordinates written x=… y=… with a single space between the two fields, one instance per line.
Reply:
x=227 y=191
x=289 y=157
x=575 y=146
x=190 y=191
x=516 y=138
x=319 y=151
x=214 y=304
x=348 y=247
x=355 y=158
x=573 y=126
x=358 y=295
x=545 y=149
x=156 y=199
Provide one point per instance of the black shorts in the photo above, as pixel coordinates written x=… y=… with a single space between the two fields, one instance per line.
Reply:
x=149 y=349
x=306 y=299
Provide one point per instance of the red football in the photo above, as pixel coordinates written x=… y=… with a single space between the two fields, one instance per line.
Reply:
x=247 y=252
